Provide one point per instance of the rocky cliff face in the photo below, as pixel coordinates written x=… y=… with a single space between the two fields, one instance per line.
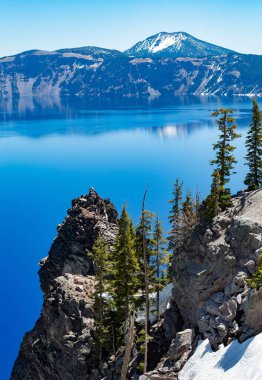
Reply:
x=210 y=292
x=60 y=346
x=86 y=73
x=210 y=297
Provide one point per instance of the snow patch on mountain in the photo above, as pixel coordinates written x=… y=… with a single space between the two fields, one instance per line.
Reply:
x=234 y=362
x=173 y=45
x=164 y=41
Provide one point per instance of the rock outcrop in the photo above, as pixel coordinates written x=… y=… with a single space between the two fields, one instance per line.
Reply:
x=210 y=297
x=61 y=346
x=210 y=292
x=210 y=270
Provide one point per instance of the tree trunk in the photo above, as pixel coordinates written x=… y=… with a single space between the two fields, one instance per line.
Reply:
x=146 y=282
x=129 y=345
x=158 y=285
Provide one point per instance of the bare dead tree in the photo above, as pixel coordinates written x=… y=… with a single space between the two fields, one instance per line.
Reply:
x=146 y=280
x=129 y=345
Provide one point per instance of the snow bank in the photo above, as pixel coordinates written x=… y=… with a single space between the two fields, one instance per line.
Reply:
x=234 y=362
x=164 y=298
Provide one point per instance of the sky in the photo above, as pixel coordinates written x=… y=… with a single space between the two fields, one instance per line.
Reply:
x=118 y=24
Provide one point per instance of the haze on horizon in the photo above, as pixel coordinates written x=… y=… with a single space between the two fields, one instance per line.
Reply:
x=55 y=24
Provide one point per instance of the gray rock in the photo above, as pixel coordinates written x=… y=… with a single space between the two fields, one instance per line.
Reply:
x=60 y=346
x=211 y=268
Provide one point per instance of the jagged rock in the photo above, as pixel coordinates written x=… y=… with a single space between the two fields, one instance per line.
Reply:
x=177 y=355
x=252 y=308
x=60 y=347
x=211 y=268
x=210 y=296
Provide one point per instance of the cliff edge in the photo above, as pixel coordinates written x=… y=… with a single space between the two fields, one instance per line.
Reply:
x=211 y=298
x=60 y=346
x=210 y=291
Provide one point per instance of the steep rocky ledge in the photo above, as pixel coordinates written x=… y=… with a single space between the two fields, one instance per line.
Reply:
x=210 y=297
x=60 y=346
x=210 y=291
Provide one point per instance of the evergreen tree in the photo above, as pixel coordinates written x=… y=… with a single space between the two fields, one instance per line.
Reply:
x=254 y=150
x=144 y=232
x=211 y=205
x=160 y=258
x=256 y=280
x=174 y=237
x=225 y=160
x=188 y=213
x=197 y=202
x=102 y=300
x=126 y=270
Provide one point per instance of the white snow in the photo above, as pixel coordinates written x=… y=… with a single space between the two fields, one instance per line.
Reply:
x=234 y=362
x=7 y=59
x=153 y=93
x=164 y=298
x=162 y=42
x=137 y=61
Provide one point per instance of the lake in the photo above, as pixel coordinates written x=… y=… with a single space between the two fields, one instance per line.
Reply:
x=54 y=150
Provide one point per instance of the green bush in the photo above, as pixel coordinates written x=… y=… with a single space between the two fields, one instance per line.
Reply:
x=256 y=280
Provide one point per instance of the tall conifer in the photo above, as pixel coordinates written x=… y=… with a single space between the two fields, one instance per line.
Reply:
x=102 y=300
x=254 y=150
x=175 y=213
x=126 y=269
x=160 y=259
x=225 y=160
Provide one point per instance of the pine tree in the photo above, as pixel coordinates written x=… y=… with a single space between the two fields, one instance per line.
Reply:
x=188 y=213
x=102 y=300
x=225 y=160
x=254 y=150
x=126 y=271
x=174 y=237
x=144 y=232
x=256 y=280
x=211 y=205
x=160 y=258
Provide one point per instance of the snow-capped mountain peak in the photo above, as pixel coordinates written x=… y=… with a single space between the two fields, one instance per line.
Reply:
x=172 y=45
x=165 y=40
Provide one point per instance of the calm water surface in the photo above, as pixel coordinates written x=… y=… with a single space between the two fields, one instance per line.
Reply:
x=51 y=151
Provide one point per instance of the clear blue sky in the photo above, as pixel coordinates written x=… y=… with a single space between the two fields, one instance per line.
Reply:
x=53 y=24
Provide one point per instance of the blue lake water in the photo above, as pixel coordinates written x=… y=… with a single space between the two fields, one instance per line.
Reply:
x=52 y=151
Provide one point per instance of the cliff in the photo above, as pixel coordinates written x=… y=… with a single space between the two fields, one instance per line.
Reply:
x=41 y=73
x=61 y=346
x=210 y=297
x=210 y=292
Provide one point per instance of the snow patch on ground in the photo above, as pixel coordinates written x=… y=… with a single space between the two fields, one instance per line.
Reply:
x=164 y=298
x=137 y=61
x=153 y=93
x=234 y=362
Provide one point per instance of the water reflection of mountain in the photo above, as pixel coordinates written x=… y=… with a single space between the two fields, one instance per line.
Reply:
x=179 y=131
x=166 y=118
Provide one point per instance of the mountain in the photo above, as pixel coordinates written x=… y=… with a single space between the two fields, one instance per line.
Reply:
x=210 y=300
x=92 y=51
x=172 y=45
x=42 y=73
